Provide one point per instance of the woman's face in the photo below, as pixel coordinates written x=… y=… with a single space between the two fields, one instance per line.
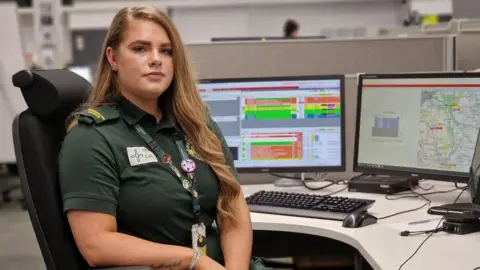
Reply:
x=143 y=61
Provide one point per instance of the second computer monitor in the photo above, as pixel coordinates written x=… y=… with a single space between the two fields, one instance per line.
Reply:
x=420 y=124
x=289 y=124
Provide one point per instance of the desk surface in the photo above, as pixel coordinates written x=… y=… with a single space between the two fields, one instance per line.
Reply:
x=381 y=244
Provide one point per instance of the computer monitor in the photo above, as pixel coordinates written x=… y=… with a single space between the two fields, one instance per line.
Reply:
x=474 y=176
x=420 y=124
x=288 y=124
x=85 y=72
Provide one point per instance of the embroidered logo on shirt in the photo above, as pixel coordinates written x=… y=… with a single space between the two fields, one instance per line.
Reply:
x=140 y=155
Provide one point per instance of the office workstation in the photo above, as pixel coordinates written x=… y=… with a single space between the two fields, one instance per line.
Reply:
x=402 y=142
x=352 y=153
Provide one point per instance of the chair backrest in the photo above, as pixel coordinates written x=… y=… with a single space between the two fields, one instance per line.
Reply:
x=51 y=95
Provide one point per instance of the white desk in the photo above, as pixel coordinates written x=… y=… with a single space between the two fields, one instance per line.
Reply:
x=381 y=244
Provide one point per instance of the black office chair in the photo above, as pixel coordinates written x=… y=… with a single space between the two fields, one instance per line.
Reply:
x=51 y=95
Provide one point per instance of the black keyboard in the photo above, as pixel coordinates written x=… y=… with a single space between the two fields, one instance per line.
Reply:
x=305 y=205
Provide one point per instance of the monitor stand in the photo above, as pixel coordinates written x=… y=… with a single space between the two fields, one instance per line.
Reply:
x=290 y=182
x=287 y=182
x=383 y=184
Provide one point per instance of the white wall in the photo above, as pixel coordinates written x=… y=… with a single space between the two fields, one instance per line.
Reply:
x=11 y=61
x=432 y=6
x=200 y=24
x=85 y=20
x=208 y=19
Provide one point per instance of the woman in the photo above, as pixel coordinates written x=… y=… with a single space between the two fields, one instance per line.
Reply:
x=125 y=196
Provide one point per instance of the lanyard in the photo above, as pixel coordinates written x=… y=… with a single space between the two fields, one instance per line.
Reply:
x=189 y=185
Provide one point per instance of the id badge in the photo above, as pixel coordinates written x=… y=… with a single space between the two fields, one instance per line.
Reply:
x=199 y=238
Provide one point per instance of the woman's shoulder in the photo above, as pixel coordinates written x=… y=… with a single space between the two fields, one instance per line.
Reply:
x=100 y=115
x=91 y=129
x=90 y=123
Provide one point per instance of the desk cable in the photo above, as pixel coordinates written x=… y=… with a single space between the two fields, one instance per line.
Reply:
x=437 y=229
x=413 y=194
x=320 y=177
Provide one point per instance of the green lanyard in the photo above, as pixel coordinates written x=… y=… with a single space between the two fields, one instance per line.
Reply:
x=166 y=159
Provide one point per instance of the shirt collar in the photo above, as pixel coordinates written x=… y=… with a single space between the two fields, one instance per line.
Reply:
x=134 y=115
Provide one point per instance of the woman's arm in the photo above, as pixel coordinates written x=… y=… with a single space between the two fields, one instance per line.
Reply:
x=100 y=244
x=236 y=241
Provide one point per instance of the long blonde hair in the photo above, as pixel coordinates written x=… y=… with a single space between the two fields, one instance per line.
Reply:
x=186 y=103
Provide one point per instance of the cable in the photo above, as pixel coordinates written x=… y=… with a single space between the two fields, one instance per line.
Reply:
x=430 y=235
x=415 y=195
x=425 y=189
x=405 y=211
x=456 y=186
x=305 y=181
x=458 y=197
x=477 y=268
x=359 y=176
x=421 y=244
x=331 y=183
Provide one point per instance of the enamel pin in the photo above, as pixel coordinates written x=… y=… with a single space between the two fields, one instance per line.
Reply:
x=166 y=158
x=188 y=165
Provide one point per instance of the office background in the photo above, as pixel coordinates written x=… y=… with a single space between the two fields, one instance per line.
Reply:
x=361 y=36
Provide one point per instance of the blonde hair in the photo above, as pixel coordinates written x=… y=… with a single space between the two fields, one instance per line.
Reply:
x=186 y=103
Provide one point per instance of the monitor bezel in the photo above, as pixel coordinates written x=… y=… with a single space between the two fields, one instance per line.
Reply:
x=441 y=175
x=341 y=78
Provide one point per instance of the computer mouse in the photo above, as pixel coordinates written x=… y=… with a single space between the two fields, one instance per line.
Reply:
x=359 y=219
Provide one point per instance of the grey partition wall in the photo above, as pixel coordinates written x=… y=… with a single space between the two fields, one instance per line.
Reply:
x=465 y=8
x=253 y=59
x=468 y=45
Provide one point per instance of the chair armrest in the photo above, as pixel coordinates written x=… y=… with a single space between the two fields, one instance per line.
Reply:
x=124 y=268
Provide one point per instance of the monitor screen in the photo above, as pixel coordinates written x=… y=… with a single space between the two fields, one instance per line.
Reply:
x=280 y=124
x=85 y=72
x=474 y=175
x=421 y=124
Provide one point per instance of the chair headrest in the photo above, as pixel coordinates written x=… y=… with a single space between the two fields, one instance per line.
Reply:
x=54 y=93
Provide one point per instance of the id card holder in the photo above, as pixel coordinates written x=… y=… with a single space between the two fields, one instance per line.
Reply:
x=199 y=238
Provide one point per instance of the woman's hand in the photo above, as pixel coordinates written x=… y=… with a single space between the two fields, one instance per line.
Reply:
x=206 y=263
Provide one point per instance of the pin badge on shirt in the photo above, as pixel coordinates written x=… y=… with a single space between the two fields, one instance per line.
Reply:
x=186 y=184
x=188 y=165
x=166 y=158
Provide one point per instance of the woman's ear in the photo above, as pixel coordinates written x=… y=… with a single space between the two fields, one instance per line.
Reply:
x=112 y=59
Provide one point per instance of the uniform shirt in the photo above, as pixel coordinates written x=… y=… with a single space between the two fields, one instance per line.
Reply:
x=99 y=173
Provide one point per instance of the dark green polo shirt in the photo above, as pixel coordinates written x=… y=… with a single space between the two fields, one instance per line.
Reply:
x=99 y=173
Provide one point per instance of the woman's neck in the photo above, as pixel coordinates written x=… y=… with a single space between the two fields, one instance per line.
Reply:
x=149 y=106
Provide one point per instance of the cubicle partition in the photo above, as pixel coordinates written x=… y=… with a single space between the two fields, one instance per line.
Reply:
x=468 y=45
x=254 y=59
x=291 y=58
x=467 y=42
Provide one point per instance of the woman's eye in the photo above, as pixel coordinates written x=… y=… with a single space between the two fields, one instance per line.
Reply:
x=139 y=49
x=167 y=51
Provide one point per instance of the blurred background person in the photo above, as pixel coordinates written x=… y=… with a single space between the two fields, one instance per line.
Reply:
x=290 y=29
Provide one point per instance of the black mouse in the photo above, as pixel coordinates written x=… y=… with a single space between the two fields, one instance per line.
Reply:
x=359 y=219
